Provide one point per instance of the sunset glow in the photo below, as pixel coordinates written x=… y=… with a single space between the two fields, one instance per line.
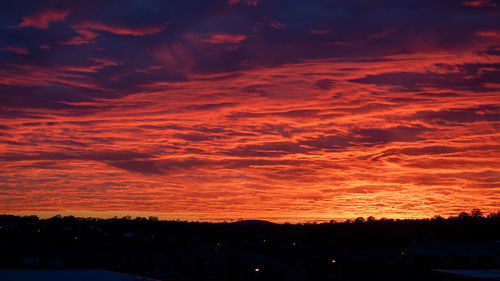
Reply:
x=220 y=110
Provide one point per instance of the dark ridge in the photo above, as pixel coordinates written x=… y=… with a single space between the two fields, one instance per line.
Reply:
x=253 y=223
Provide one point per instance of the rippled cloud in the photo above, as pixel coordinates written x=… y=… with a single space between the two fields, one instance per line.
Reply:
x=250 y=109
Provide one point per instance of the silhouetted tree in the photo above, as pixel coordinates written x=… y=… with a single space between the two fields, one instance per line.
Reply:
x=463 y=215
x=359 y=220
x=438 y=218
x=494 y=215
x=476 y=213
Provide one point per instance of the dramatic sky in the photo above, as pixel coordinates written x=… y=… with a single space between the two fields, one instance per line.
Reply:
x=278 y=110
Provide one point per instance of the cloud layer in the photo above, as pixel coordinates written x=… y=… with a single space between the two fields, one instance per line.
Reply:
x=251 y=109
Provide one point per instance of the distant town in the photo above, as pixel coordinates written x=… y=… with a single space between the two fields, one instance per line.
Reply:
x=454 y=248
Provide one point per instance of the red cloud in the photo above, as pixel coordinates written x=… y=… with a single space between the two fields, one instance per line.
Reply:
x=248 y=2
x=17 y=50
x=277 y=25
x=43 y=18
x=224 y=38
x=489 y=34
x=479 y=3
x=121 y=30
x=252 y=3
x=318 y=31
x=86 y=37
x=175 y=56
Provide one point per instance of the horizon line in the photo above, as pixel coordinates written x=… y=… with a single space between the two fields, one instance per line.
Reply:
x=167 y=217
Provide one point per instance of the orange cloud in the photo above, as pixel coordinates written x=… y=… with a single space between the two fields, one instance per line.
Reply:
x=264 y=143
x=279 y=111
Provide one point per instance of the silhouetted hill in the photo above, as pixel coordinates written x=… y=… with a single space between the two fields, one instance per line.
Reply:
x=253 y=223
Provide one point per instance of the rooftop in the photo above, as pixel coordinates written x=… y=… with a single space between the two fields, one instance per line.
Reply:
x=67 y=274
x=482 y=273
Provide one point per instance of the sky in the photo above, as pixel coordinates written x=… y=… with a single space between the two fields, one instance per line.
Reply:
x=250 y=109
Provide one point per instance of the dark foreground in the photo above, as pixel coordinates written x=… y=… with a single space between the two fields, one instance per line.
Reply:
x=257 y=250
